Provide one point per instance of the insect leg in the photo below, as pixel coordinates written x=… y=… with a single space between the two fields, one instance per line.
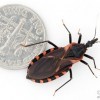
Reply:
x=70 y=37
x=80 y=37
x=88 y=56
x=40 y=43
x=88 y=66
x=70 y=71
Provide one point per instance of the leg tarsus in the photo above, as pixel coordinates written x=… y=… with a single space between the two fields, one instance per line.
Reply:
x=40 y=43
x=70 y=71
x=88 y=67
x=88 y=56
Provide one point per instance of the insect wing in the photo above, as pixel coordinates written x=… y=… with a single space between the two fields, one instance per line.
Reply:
x=43 y=68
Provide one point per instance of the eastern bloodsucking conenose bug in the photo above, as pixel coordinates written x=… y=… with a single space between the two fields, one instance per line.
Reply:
x=55 y=62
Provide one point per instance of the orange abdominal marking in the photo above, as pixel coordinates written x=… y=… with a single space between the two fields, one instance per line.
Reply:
x=63 y=72
x=41 y=81
x=33 y=80
x=37 y=57
x=56 y=76
x=44 y=53
x=51 y=49
x=48 y=79
x=31 y=63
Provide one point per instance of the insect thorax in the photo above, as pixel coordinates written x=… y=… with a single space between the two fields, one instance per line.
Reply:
x=76 y=51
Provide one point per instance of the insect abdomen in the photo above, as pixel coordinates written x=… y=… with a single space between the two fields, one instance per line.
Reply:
x=52 y=77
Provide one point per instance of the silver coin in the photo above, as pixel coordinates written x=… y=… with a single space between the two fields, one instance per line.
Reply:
x=19 y=25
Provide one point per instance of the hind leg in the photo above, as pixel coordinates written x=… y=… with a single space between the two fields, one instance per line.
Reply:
x=70 y=71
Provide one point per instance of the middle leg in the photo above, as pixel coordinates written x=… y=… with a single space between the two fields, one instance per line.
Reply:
x=88 y=56
x=84 y=62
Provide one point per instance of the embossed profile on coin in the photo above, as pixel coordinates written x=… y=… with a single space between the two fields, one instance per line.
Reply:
x=19 y=25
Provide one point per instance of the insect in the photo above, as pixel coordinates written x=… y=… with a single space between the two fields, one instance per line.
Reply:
x=57 y=61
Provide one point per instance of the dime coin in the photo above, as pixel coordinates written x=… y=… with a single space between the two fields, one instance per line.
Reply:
x=19 y=25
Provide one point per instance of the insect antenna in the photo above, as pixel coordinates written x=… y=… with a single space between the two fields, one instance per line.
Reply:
x=98 y=42
x=96 y=27
x=79 y=31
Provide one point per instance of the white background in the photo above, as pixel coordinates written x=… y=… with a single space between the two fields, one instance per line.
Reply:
x=76 y=14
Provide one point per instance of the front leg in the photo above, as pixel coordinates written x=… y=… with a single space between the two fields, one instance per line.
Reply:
x=70 y=37
x=40 y=43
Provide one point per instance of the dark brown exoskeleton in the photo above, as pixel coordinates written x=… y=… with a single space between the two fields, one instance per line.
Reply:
x=55 y=62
